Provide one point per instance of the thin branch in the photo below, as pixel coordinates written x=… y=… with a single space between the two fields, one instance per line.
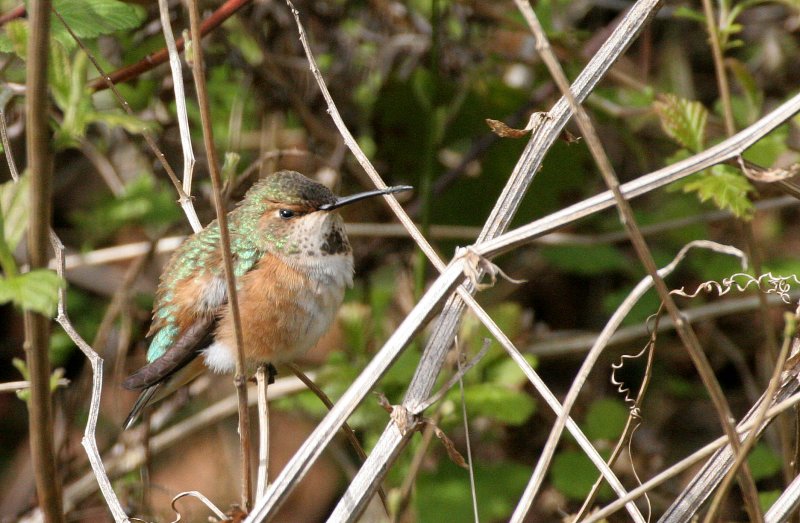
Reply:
x=14 y=386
x=262 y=477
x=180 y=110
x=240 y=378
x=37 y=326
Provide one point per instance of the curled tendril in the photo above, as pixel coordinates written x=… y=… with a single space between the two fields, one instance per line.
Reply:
x=766 y=283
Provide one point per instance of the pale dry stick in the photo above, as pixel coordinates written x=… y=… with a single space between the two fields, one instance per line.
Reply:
x=685 y=331
x=184 y=200
x=88 y=441
x=750 y=440
x=429 y=376
x=15 y=386
x=687 y=463
x=240 y=377
x=262 y=478
x=180 y=106
x=203 y=499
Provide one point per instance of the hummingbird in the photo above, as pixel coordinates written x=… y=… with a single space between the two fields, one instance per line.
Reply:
x=292 y=262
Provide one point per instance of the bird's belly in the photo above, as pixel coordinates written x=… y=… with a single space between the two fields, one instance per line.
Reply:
x=284 y=311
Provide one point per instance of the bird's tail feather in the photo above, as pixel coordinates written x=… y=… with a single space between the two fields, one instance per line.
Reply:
x=161 y=390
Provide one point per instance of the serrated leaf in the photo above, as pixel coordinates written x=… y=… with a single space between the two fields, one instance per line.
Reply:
x=93 y=18
x=36 y=290
x=502 y=404
x=14 y=206
x=726 y=187
x=683 y=120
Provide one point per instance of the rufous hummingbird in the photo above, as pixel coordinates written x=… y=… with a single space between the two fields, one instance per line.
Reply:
x=292 y=261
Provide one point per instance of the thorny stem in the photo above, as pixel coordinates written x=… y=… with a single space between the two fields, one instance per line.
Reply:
x=37 y=326
x=240 y=379
x=685 y=330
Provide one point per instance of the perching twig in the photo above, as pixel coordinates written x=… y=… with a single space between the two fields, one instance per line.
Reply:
x=37 y=326
x=240 y=378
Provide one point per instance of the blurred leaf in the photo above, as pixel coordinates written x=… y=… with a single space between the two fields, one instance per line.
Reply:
x=683 y=120
x=770 y=148
x=14 y=206
x=36 y=290
x=93 y=18
x=506 y=371
x=767 y=498
x=689 y=13
x=444 y=495
x=573 y=474
x=118 y=118
x=16 y=35
x=496 y=402
x=145 y=203
x=606 y=419
x=763 y=461
x=586 y=260
x=726 y=187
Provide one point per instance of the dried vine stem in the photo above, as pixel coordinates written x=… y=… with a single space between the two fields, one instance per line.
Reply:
x=240 y=378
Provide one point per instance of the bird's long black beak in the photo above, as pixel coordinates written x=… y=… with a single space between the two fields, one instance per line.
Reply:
x=347 y=200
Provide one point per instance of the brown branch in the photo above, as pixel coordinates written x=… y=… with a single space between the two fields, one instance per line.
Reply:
x=152 y=60
x=240 y=379
x=37 y=326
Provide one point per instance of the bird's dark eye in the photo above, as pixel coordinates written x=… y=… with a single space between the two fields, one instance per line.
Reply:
x=286 y=213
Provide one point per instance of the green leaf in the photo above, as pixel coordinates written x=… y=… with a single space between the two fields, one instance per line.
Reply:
x=764 y=463
x=767 y=498
x=726 y=187
x=683 y=120
x=606 y=419
x=14 y=206
x=93 y=18
x=497 y=402
x=35 y=291
x=573 y=475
